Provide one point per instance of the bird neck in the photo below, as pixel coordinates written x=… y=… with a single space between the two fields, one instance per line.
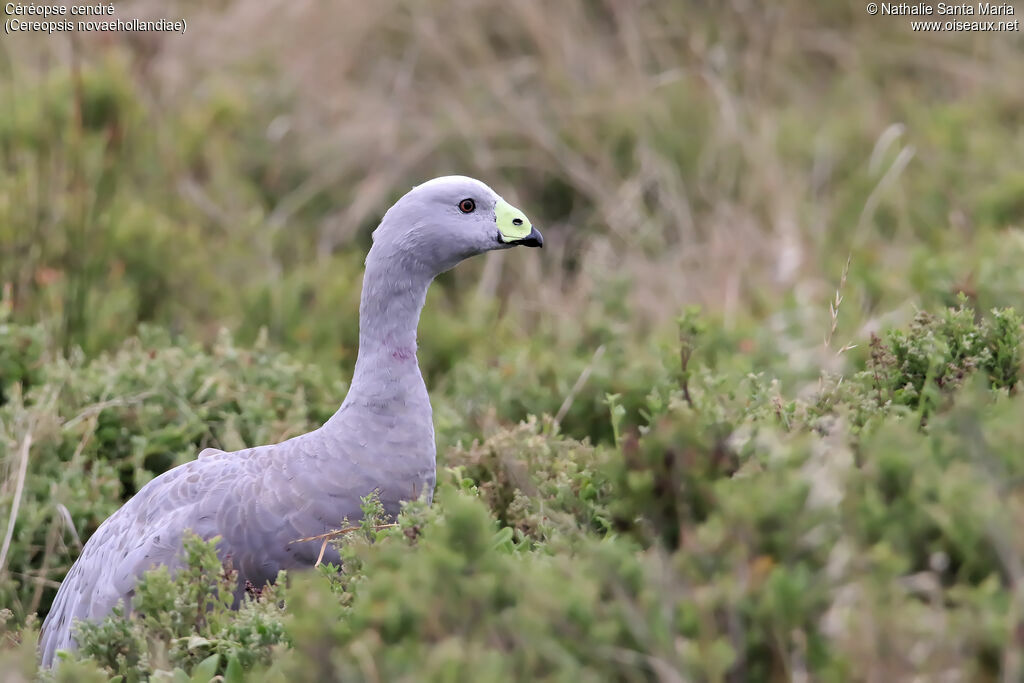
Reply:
x=394 y=290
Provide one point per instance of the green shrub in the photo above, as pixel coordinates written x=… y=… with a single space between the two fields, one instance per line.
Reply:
x=534 y=481
x=726 y=528
x=921 y=368
x=186 y=624
x=22 y=356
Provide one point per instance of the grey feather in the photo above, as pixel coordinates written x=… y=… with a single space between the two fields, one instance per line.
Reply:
x=259 y=500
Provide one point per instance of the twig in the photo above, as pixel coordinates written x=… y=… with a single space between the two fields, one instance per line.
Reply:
x=563 y=410
x=41 y=580
x=51 y=541
x=26 y=444
x=69 y=523
x=685 y=354
x=97 y=408
x=335 y=534
x=338 y=532
x=320 y=557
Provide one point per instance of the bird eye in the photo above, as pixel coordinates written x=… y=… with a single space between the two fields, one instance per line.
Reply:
x=467 y=206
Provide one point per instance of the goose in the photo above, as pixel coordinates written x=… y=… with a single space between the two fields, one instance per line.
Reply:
x=260 y=500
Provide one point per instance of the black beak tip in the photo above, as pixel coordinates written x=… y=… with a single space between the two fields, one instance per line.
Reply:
x=534 y=239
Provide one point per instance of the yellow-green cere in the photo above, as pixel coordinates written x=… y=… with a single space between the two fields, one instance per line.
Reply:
x=512 y=223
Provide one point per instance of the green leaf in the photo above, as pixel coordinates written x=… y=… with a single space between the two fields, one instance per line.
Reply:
x=234 y=673
x=206 y=669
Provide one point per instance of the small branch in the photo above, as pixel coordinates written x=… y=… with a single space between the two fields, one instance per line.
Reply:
x=688 y=335
x=335 y=534
x=338 y=532
x=97 y=408
x=320 y=557
x=41 y=580
x=685 y=353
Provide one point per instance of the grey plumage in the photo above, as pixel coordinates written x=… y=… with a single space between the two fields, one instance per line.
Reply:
x=260 y=500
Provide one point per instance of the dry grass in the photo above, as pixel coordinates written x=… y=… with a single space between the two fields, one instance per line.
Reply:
x=19 y=485
x=667 y=127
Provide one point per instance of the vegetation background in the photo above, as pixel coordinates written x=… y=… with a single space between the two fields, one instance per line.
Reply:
x=818 y=477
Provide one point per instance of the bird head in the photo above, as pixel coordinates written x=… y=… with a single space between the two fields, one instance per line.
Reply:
x=446 y=220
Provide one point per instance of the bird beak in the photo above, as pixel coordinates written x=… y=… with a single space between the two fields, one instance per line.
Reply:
x=534 y=239
x=514 y=227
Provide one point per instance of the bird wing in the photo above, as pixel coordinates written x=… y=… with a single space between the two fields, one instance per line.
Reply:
x=144 y=532
x=260 y=501
x=248 y=497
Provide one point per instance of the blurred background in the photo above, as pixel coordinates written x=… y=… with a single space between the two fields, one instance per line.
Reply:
x=729 y=154
x=183 y=221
